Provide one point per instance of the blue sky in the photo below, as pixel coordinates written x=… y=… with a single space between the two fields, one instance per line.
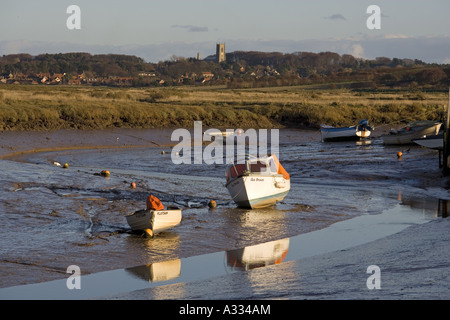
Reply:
x=156 y=30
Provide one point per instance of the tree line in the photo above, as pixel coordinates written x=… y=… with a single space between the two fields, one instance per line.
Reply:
x=242 y=69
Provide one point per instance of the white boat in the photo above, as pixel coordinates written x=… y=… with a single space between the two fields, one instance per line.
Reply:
x=363 y=130
x=432 y=142
x=414 y=130
x=330 y=133
x=222 y=134
x=154 y=221
x=219 y=135
x=258 y=182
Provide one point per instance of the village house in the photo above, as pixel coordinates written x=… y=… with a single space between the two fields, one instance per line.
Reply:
x=207 y=76
x=147 y=74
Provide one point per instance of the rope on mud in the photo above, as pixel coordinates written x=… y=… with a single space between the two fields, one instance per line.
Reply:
x=120 y=231
x=139 y=138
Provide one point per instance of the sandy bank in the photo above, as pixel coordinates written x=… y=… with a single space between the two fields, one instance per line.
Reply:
x=13 y=143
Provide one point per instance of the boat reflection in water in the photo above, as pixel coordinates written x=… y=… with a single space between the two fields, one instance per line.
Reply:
x=158 y=271
x=273 y=252
x=247 y=258
x=434 y=207
x=259 y=255
x=408 y=211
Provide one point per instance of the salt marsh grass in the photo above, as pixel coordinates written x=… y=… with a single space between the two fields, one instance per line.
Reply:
x=39 y=107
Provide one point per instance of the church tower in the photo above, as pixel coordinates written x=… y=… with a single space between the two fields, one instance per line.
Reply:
x=220 y=52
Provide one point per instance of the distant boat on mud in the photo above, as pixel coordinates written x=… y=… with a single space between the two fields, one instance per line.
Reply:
x=414 y=130
x=258 y=182
x=360 y=131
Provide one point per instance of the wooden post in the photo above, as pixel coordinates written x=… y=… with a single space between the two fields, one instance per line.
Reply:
x=443 y=208
x=446 y=152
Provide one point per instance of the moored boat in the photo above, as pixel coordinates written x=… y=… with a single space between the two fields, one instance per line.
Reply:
x=363 y=130
x=258 y=182
x=330 y=133
x=414 y=130
x=219 y=135
x=154 y=221
x=155 y=218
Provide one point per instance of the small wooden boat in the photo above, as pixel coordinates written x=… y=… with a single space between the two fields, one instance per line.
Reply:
x=414 y=130
x=258 y=182
x=330 y=133
x=154 y=221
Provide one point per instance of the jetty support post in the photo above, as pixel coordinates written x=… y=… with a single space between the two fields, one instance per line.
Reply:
x=446 y=151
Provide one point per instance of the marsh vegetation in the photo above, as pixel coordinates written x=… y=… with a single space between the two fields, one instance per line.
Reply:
x=27 y=107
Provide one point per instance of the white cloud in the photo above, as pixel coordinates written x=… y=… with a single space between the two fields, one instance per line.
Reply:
x=191 y=28
x=395 y=36
x=336 y=16
x=357 y=51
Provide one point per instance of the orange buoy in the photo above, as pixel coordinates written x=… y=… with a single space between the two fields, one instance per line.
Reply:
x=212 y=204
x=399 y=154
x=133 y=185
x=105 y=173
x=149 y=233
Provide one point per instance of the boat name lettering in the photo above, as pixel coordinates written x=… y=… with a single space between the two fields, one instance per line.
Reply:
x=162 y=213
x=257 y=179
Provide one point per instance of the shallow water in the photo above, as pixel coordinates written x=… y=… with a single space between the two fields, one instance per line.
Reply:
x=53 y=217
x=132 y=282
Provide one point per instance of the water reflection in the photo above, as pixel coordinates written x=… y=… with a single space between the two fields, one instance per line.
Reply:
x=338 y=236
x=259 y=255
x=364 y=142
x=157 y=272
x=443 y=208
x=429 y=206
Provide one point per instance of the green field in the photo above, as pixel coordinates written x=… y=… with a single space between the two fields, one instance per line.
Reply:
x=40 y=107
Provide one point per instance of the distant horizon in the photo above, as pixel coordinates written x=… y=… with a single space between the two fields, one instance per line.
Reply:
x=213 y=54
x=157 y=30
x=160 y=53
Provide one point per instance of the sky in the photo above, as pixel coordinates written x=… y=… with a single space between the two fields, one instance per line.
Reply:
x=158 y=30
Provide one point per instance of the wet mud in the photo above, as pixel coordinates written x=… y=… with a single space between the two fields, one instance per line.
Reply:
x=54 y=217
